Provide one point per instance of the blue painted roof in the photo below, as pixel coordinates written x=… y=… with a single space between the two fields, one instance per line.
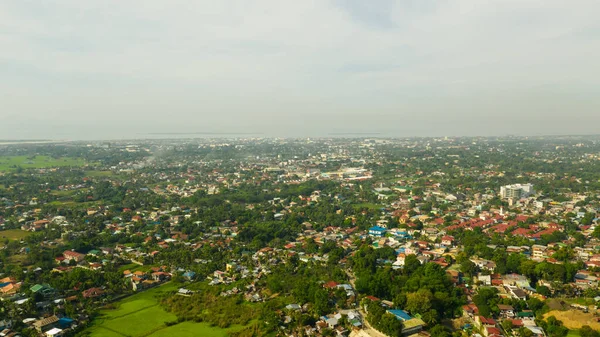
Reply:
x=400 y=314
x=377 y=229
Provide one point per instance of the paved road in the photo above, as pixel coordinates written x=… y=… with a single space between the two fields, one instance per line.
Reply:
x=368 y=330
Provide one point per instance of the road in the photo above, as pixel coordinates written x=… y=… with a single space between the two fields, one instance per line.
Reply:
x=368 y=330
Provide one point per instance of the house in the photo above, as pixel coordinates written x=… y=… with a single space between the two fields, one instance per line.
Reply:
x=70 y=255
x=492 y=331
x=539 y=252
x=94 y=252
x=54 y=332
x=484 y=322
x=43 y=289
x=330 y=285
x=185 y=292
x=189 y=275
x=484 y=264
x=65 y=322
x=447 y=240
x=517 y=293
x=537 y=331
x=160 y=276
x=410 y=325
x=485 y=280
x=9 y=287
x=45 y=324
x=506 y=310
x=93 y=293
x=377 y=231
x=400 y=259
x=332 y=322
x=470 y=309
x=293 y=306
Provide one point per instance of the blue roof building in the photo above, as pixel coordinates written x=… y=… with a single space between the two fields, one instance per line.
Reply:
x=377 y=231
x=65 y=322
x=410 y=325
x=189 y=275
x=400 y=314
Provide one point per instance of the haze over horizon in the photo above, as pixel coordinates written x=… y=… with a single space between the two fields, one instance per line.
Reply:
x=107 y=69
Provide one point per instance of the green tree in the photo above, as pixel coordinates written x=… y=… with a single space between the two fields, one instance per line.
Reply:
x=587 y=331
x=419 y=302
x=439 y=331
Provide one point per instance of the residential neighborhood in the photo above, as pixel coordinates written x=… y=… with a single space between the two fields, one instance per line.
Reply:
x=354 y=237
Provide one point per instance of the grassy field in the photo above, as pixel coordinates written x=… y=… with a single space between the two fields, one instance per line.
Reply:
x=18 y=259
x=190 y=329
x=137 y=315
x=10 y=163
x=65 y=193
x=133 y=267
x=14 y=234
x=141 y=315
x=574 y=319
x=573 y=333
x=587 y=301
x=366 y=205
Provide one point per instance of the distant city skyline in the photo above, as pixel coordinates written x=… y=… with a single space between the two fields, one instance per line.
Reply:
x=107 y=69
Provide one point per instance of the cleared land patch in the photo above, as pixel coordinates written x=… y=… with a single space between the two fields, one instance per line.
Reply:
x=575 y=319
x=13 y=234
x=11 y=163
x=190 y=329
x=142 y=315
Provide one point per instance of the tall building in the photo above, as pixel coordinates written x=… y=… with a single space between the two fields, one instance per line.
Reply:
x=516 y=191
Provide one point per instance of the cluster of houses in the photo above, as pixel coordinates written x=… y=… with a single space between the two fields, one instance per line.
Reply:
x=424 y=231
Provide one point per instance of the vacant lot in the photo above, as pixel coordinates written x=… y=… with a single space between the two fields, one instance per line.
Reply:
x=137 y=315
x=575 y=319
x=190 y=329
x=141 y=315
x=366 y=205
x=138 y=323
x=11 y=163
x=13 y=234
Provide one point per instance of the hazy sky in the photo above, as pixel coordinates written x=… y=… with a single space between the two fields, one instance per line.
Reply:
x=92 y=69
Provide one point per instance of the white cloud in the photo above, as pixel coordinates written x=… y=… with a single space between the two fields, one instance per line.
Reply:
x=222 y=64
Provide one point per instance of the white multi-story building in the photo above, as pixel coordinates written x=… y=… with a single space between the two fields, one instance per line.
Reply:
x=516 y=191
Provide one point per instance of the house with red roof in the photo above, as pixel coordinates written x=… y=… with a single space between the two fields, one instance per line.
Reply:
x=71 y=255
x=330 y=285
x=447 y=240
x=525 y=232
x=92 y=292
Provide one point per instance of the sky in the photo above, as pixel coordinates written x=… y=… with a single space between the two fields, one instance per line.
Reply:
x=114 y=69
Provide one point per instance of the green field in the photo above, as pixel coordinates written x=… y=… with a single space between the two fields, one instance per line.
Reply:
x=137 y=315
x=10 y=163
x=14 y=234
x=141 y=315
x=366 y=205
x=573 y=333
x=65 y=193
x=191 y=329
